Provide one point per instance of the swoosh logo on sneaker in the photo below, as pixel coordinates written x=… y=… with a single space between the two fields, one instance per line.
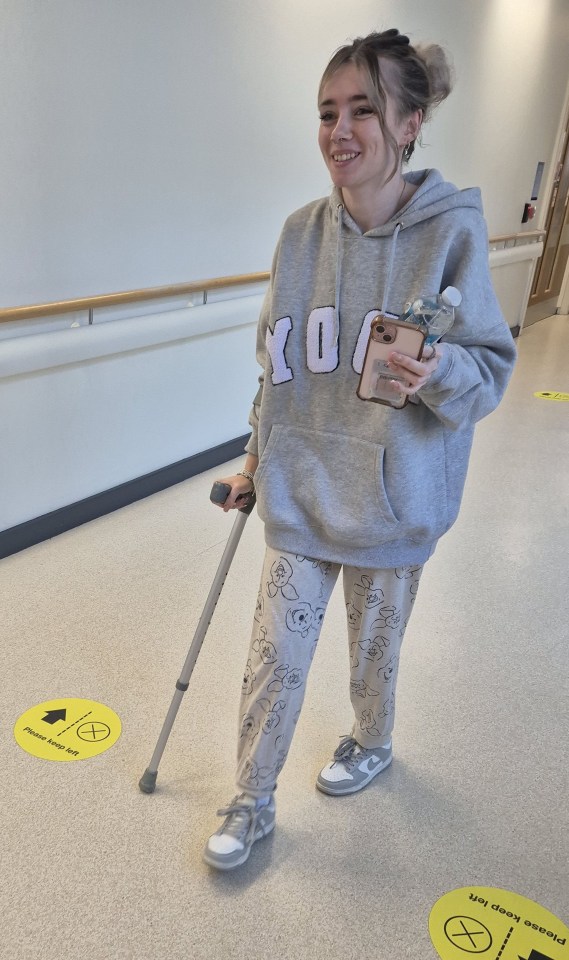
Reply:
x=371 y=764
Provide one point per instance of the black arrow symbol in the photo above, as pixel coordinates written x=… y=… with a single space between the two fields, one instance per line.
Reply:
x=536 y=955
x=52 y=716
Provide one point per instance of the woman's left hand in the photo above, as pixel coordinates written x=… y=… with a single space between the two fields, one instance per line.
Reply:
x=414 y=372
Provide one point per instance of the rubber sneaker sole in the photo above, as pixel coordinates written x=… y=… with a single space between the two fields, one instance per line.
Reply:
x=347 y=787
x=232 y=860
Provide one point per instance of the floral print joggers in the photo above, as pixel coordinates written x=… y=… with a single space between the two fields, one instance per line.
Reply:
x=292 y=601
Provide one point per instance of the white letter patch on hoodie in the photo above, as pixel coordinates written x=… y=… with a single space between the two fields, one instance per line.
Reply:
x=321 y=341
x=276 y=343
x=361 y=346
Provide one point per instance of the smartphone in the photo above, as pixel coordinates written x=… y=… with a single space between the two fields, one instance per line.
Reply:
x=385 y=336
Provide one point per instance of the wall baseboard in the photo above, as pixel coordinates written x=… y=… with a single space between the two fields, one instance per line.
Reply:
x=49 y=525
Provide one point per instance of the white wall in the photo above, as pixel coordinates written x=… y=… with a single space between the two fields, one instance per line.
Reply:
x=148 y=142
x=85 y=409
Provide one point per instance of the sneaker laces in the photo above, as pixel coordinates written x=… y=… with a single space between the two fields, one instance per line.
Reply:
x=241 y=819
x=348 y=752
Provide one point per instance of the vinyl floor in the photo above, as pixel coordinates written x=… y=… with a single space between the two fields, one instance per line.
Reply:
x=477 y=795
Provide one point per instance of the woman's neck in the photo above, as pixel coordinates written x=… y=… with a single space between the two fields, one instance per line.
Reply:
x=371 y=208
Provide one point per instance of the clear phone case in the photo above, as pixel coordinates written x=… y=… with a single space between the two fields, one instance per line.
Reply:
x=386 y=336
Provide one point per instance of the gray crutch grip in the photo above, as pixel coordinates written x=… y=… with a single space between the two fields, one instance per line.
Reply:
x=220 y=492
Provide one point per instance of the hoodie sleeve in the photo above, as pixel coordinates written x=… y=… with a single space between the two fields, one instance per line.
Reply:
x=480 y=352
x=252 y=445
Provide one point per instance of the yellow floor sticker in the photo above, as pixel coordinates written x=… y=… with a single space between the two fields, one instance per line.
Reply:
x=67 y=729
x=551 y=395
x=497 y=924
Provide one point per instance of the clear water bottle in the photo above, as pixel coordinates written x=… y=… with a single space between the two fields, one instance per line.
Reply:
x=435 y=314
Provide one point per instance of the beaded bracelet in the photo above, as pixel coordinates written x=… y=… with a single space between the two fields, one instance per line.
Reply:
x=248 y=476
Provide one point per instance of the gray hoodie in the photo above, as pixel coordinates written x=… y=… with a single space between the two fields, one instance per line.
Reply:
x=353 y=481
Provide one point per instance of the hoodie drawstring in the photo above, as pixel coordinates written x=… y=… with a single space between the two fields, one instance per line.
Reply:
x=390 y=268
x=339 y=254
x=339 y=251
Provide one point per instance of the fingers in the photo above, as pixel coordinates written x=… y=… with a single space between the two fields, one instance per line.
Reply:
x=408 y=367
x=415 y=373
x=237 y=496
x=407 y=389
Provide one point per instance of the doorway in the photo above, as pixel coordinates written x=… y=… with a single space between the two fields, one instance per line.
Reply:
x=551 y=266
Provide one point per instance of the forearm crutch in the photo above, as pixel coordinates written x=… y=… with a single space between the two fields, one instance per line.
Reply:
x=219 y=494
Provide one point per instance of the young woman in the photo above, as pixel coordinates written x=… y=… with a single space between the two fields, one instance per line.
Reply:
x=344 y=484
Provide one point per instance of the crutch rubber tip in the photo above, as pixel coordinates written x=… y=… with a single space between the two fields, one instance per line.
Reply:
x=147 y=782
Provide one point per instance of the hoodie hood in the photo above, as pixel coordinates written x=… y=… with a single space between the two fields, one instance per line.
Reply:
x=434 y=196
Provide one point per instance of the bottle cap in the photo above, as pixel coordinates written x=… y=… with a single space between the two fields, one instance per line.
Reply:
x=451 y=296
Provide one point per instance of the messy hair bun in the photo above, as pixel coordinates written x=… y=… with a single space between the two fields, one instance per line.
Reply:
x=439 y=71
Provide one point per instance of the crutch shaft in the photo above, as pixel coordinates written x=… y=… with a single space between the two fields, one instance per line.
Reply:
x=147 y=782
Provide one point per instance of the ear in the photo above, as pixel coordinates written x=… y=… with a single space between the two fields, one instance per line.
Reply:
x=412 y=126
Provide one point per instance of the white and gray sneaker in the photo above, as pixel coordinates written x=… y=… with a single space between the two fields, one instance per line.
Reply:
x=353 y=767
x=246 y=820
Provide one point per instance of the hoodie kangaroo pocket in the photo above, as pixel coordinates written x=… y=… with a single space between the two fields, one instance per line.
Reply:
x=327 y=482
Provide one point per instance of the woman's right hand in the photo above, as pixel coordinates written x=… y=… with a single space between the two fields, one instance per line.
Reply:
x=240 y=487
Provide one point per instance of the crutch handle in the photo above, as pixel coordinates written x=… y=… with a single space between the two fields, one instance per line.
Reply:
x=220 y=492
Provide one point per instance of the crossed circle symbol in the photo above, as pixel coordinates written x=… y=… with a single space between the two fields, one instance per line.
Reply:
x=468 y=934
x=93 y=731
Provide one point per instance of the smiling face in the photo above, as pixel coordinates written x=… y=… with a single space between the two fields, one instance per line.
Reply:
x=355 y=148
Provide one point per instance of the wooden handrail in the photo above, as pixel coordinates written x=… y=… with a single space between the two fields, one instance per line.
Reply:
x=529 y=234
x=177 y=290
x=127 y=296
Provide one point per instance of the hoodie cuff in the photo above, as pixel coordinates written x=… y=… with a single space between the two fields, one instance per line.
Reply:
x=443 y=370
x=252 y=445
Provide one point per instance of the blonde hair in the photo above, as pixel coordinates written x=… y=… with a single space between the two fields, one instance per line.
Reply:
x=424 y=77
